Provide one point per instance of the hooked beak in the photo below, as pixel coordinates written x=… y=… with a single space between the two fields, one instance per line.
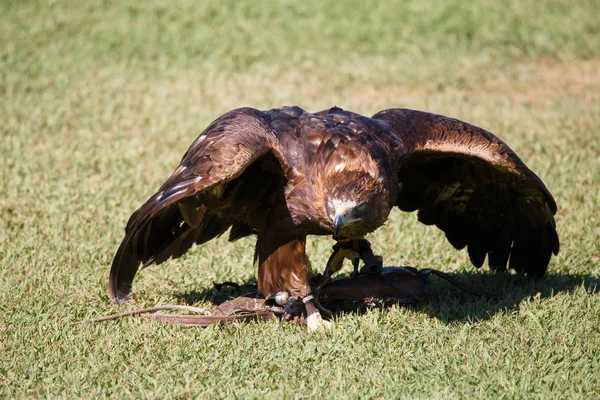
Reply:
x=339 y=220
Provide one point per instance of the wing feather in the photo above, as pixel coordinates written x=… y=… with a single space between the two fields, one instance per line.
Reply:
x=471 y=185
x=190 y=207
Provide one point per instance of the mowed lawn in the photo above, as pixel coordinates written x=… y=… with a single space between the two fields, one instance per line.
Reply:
x=100 y=99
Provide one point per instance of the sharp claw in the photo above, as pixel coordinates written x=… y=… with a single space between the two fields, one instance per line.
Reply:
x=283 y=317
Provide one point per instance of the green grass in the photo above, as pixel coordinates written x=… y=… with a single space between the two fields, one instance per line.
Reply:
x=99 y=100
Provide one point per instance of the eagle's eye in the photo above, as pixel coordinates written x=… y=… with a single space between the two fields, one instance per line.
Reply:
x=361 y=207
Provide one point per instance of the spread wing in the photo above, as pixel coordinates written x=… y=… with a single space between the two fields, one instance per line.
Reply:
x=194 y=204
x=472 y=186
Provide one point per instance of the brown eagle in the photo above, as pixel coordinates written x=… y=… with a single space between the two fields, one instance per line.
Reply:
x=285 y=173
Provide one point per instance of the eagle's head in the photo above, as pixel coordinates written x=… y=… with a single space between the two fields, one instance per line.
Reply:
x=356 y=204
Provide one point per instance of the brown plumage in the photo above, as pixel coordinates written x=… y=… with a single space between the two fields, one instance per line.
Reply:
x=284 y=174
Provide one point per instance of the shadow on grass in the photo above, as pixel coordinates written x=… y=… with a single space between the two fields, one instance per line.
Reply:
x=443 y=300
x=449 y=304
x=219 y=293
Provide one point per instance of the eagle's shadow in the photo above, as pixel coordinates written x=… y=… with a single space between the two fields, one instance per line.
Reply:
x=447 y=303
x=443 y=300
x=219 y=293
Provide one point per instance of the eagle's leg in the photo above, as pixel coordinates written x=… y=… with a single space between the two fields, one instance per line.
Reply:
x=284 y=267
x=355 y=265
x=354 y=250
x=372 y=262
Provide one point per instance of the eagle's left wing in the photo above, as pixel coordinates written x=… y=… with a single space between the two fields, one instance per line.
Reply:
x=472 y=186
x=194 y=204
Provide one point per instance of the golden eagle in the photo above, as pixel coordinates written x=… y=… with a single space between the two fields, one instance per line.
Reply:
x=285 y=173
